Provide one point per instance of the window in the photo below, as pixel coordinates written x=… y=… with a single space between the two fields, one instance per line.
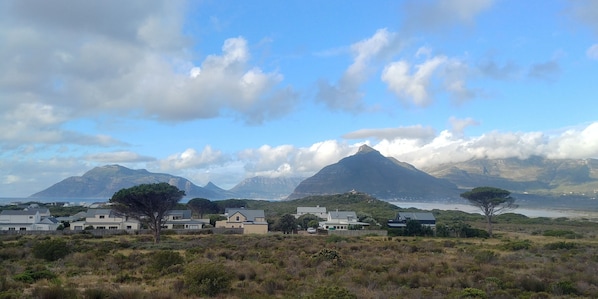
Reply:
x=102 y=216
x=22 y=228
x=237 y=218
x=177 y=217
x=78 y=227
x=129 y=227
x=11 y=228
x=101 y=227
x=113 y=227
x=30 y=217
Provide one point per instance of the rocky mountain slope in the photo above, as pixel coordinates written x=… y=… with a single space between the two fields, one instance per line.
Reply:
x=266 y=188
x=369 y=172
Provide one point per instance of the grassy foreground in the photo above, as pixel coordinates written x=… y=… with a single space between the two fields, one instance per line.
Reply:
x=523 y=261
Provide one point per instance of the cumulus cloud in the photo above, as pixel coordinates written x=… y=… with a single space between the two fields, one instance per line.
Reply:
x=419 y=84
x=191 y=159
x=346 y=94
x=68 y=60
x=442 y=14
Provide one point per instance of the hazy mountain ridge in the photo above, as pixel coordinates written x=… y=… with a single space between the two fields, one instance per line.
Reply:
x=266 y=188
x=104 y=181
x=535 y=174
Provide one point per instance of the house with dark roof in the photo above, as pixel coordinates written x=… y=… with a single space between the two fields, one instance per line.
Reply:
x=400 y=221
x=252 y=221
x=181 y=219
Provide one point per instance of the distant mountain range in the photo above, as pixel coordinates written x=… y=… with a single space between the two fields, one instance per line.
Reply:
x=534 y=175
x=369 y=172
x=104 y=181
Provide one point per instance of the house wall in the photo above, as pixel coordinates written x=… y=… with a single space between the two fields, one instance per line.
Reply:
x=255 y=228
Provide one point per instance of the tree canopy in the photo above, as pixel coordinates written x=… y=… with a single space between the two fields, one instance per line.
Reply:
x=148 y=203
x=491 y=201
x=202 y=206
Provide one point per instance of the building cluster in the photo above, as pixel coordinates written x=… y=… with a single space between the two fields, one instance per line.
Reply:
x=251 y=221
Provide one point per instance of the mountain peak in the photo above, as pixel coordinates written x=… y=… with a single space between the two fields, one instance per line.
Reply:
x=365 y=149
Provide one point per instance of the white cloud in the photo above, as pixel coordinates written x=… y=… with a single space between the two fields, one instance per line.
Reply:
x=458 y=125
x=592 y=52
x=413 y=88
x=191 y=159
x=346 y=94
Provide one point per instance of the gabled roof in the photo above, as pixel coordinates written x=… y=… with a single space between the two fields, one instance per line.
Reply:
x=416 y=216
x=342 y=215
x=18 y=212
x=310 y=210
x=250 y=215
x=185 y=214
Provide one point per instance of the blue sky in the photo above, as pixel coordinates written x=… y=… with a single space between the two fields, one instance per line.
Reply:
x=224 y=90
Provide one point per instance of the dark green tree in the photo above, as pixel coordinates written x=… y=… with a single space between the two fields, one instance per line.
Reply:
x=305 y=219
x=287 y=223
x=491 y=201
x=202 y=206
x=147 y=203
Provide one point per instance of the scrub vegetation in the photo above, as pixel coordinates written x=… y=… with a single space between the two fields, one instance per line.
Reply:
x=527 y=258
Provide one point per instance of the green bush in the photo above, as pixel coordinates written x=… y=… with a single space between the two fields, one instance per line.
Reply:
x=164 y=259
x=560 y=245
x=568 y=234
x=517 y=245
x=51 y=250
x=33 y=275
x=473 y=293
x=208 y=279
x=564 y=288
x=326 y=292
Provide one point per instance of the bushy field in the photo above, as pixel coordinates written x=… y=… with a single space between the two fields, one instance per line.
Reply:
x=545 y=261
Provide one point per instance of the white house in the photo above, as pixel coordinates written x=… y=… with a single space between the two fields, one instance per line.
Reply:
x=341 y=220
x=317 y=210
x=181 y=219
x=29 y=219
x=105 y=219
x=252 y=221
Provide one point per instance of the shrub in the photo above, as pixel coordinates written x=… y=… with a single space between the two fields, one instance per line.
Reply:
x=164 y=259
x=517 y=245
x=53 y=292
x=485 y=256
x=328 y=255
x=326 y=292
x=33 y=275
x=208 y=279
x=472 y=293
x=562 y=233
x=560 y=245
x=51 y=250
x=564 y=288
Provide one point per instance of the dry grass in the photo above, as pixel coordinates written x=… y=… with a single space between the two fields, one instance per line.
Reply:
x=516 y=264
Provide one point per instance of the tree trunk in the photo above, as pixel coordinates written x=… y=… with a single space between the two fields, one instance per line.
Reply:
x=489 y=226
